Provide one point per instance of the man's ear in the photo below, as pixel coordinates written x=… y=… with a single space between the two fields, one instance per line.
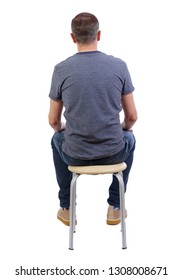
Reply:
x=98 y=35
x=73 y=38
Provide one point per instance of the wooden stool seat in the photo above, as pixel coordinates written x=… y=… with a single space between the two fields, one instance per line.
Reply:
x=98 y=169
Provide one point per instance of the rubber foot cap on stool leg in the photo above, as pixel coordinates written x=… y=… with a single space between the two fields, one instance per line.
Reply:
x=124 y=248
x=71 y=249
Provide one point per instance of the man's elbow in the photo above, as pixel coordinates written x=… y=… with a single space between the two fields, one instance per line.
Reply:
x=52 y=121
x=133 y=117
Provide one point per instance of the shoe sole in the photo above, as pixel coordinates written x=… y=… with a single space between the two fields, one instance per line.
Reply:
x=65 y=222
x=115 y=222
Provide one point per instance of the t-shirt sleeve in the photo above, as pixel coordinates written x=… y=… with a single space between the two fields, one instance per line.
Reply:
x=55 y=90
x=127 y=85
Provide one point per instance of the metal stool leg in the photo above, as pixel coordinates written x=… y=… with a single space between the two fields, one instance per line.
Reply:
x=72 y=209
x=119 y=176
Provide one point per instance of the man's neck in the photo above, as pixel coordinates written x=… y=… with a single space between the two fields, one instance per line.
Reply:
x=87 y=48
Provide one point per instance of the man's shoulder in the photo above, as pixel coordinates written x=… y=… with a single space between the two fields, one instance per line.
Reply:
x=65 y=61
x=116 y=59
x=113 y=62
x=112 y=58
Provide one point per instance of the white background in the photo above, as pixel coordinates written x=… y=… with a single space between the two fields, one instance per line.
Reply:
x=35 y=37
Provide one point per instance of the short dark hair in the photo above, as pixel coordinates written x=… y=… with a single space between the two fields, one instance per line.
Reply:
x=84 y=27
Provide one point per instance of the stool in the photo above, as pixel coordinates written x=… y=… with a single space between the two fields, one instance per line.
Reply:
x=116 y=170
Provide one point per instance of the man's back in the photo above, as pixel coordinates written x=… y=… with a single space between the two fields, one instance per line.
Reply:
x=90 y=85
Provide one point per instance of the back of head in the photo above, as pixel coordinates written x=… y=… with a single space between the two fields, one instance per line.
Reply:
x=84 y=28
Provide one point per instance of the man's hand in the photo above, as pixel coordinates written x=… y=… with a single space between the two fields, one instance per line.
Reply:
x=123 y=126
x=59 y=127
x=63 y=126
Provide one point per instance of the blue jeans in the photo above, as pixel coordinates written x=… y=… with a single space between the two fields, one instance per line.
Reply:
x=64 y=176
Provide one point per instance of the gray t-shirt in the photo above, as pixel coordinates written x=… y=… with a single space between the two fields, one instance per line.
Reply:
x=90 y=84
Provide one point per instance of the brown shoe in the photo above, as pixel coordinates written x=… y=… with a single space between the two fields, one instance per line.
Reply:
x=113 y=216
x=64 y=216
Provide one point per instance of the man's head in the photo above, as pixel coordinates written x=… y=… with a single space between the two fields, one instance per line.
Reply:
x=85 y=27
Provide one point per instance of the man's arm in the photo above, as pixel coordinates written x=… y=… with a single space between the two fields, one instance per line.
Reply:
x=130 y=113
x=55 y=111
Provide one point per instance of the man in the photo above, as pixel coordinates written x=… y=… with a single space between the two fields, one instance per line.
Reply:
x=93 y=88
